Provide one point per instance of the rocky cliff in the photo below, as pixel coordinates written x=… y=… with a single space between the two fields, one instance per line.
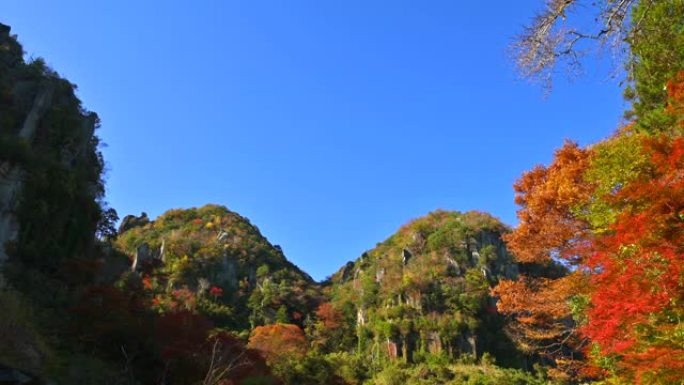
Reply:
x=213 y=248
x=50 y=167
x=426 y=288
x=51 y=209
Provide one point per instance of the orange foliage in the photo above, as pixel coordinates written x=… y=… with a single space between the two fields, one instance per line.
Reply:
x=329 y=317
x=539 y=304
x=542 y=319
x=547 y=195
x=549 y=230
x=627 y=281
x=675 y=91
x=279 y=341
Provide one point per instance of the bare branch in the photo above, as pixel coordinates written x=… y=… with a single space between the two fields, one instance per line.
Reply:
x=551 y=40
x=220 y=365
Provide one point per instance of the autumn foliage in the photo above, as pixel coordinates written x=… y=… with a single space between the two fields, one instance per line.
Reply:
x=638 y=272
x=612 y=216
x=329 y=317
x=279 y=341
x=549 y=230
x=547 y=195
x=675 y=105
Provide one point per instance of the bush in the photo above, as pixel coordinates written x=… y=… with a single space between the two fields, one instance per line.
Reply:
x=23 y=347
x=391 y=375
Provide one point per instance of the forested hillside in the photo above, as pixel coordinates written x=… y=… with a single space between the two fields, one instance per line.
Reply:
x=426 y=289
x=214 y=261
x=51 y=207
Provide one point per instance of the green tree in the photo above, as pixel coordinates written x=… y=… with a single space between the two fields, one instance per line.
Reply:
x=282 y=315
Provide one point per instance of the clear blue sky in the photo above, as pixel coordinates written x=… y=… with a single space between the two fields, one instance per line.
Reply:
x=327 y=123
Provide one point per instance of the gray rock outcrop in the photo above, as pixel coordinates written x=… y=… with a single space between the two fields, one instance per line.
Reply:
x=144 y=255
x=131 y=221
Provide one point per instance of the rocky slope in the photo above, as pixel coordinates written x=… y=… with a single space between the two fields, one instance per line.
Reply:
x=426 y=288
x=214 y=250
x=51 y=194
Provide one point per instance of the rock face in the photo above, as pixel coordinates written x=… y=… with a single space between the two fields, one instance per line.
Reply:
x=10 y=184
x=347 y=271
x=426 y=287
x=228 y=275
x=50 y=167
x=213 y=247
x=144 y=256
x=405 y=256
x=131 y=221
x=50 y=194
x=11 y=174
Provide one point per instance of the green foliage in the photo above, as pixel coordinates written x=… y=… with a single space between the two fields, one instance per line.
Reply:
x=424 y=292
x=211 y=246
x=657 y=55
x=614 y=163
x=260 y=380
x=282 y=316
x=20 y=334
x=390 y=375
x=87 y=370
x=351 y=368
x=60 y=207
x=459 y=374
x=14 y=150
x=60 y=204
x=60 y=212
x=313 y=369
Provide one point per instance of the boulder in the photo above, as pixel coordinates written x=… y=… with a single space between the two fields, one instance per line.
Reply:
x=131 y=221
x=347 y=271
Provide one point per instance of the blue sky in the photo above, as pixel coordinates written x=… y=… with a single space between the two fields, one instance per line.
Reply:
x=328 y=123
